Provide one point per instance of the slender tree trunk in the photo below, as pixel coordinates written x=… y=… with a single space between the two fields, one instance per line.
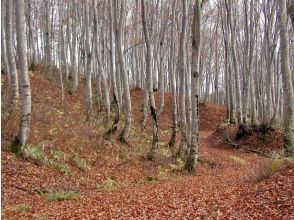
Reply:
x=235 y=63
x=116 y=102
x=4 y=61
x=152 y=153
x=61 y=50
x=23 y=133
x=74 y=48
x=118 y=37
x=181 y=68
x=172 y=141
x=145 y=105
x=291 y=12
x=89 y=63
x=287 y=81
x=196 y=49
x=10 y=54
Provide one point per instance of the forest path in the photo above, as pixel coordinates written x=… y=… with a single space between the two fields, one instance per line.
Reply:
x=212 y=191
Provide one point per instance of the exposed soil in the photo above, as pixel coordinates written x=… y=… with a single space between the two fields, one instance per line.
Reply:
x=119 y=183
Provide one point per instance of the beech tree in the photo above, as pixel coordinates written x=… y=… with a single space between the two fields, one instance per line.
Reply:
x=181 y=69
x=24 y=129
x=10 y=53
x=196 y=50
x=287 y=81
x=118 y=42
x=153 y=150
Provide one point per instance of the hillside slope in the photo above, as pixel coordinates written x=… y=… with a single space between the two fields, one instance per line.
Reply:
x=69 y=160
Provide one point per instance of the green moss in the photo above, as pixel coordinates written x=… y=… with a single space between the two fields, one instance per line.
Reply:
x=16 y=147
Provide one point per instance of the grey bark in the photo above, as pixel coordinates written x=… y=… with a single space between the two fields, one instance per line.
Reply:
x=287 y=81
x=181 y=69
x=10 y=53
x=119 y=37
x=196 y=49
x=152 y=153
x=23 y=133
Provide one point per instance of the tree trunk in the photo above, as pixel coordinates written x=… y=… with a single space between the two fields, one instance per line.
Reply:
x=181 y=68
x=74 y=45
x=118 y=38
x=291 y=12
x=10 y=53
x=89 y=62
x=196 y=48
x=116 y=102
x=287 y=81
x=23 y=133
x=4 y=62
x=152 y=153
x=172 y=140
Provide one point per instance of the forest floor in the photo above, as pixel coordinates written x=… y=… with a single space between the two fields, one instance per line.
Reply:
x=72 y=172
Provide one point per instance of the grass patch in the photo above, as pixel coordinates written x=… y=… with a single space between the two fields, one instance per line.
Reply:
x=42 y=217
x=109 y=184
x=62 y=167
x=223 y=125
x=60 y=196
x=35 y=152
x=166 y=132
x=20 y=208
x=237 y=160
x=165 y=151
x=79 y=162
x=58 y=154
x=276 y=165
x=178 y=166
x=152 y=178
x=271 y=167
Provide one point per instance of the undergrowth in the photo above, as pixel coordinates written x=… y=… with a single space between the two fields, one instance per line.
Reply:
x=58 y=159
x=79 y=162
x=237 y=160
x=109 y=184
x=36 y=153
x=20 y=208
x=60 y=196
x=271 y=167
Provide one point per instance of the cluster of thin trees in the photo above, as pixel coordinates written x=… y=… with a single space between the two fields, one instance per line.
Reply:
x=231 y=52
